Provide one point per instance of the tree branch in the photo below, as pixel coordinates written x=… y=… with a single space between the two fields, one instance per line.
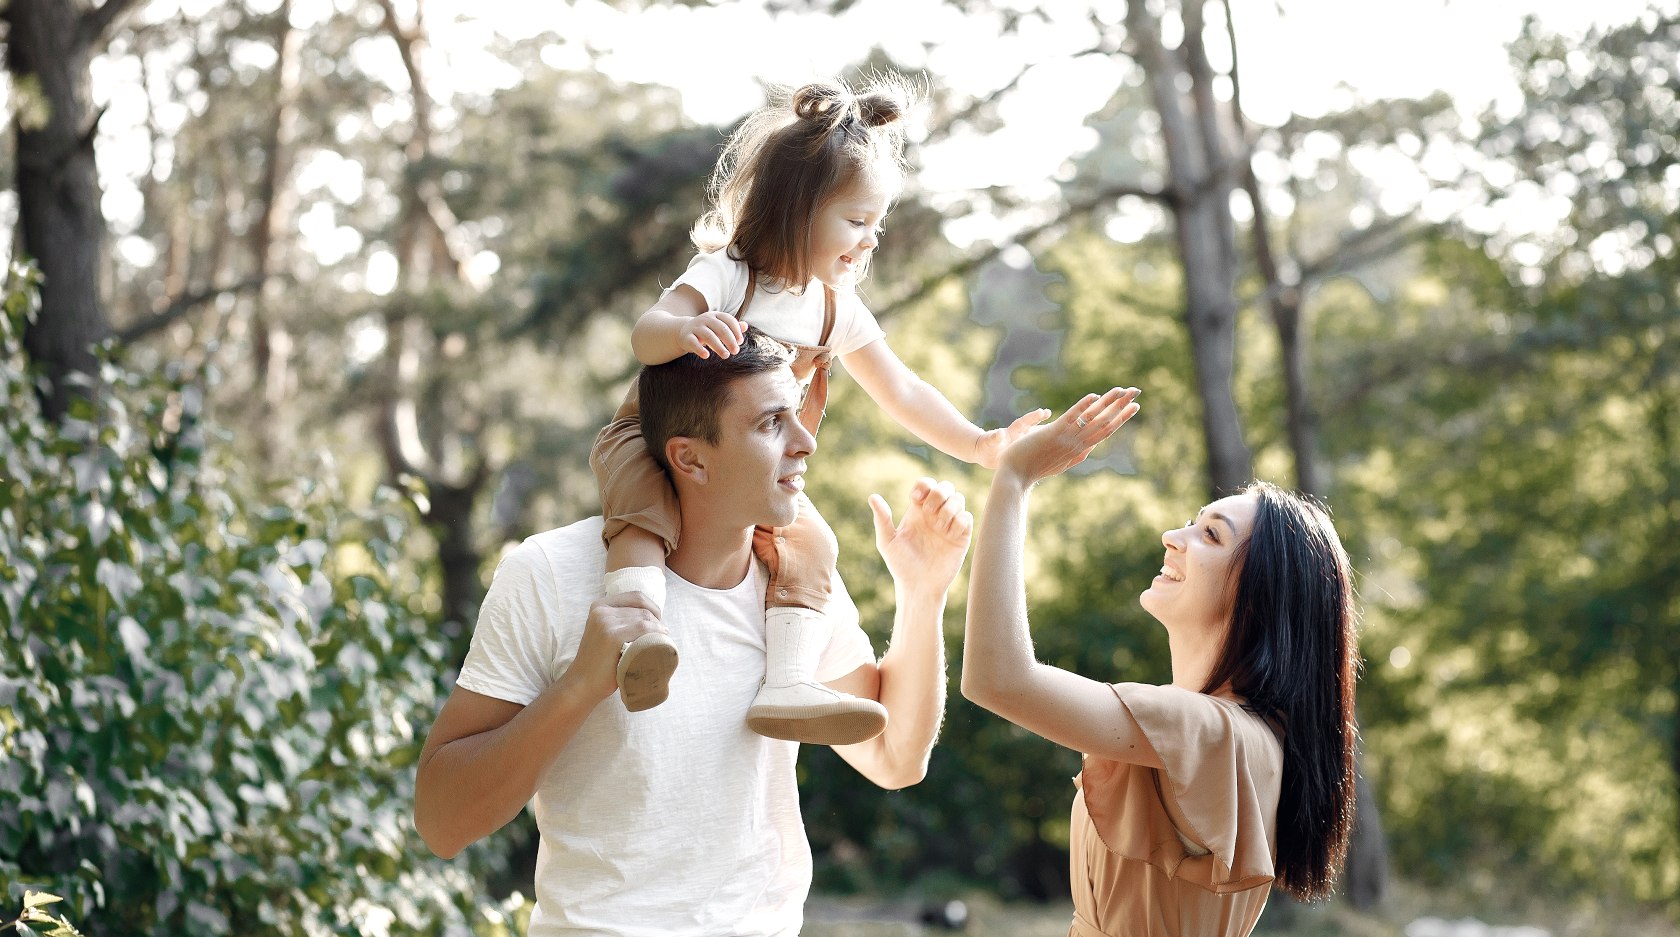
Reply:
x=966 y=265
x=93 y=29
x=184 y=304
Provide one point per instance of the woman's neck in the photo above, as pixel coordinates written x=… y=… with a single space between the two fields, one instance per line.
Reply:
x=1193 y=658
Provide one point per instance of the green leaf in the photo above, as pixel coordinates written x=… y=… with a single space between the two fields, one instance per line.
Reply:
x=38 y=899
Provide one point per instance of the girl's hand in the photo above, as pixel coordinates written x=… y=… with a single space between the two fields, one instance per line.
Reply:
x=1065 y=442
x=711 y=333
x=992 y=443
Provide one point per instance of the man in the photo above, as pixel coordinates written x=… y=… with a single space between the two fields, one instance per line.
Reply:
x=678 y=820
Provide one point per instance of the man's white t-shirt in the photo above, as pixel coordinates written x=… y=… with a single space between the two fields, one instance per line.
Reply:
x=677 y=821
x=783 y=314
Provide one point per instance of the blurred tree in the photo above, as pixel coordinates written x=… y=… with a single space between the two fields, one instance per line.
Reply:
x=49 y=44
x=1506 y=424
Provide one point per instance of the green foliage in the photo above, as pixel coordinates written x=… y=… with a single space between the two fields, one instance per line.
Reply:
x=44 y=922
x=210 y=699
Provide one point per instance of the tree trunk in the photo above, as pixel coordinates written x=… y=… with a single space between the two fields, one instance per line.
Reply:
x=1365 y=876
x=270 y=339
x=426 y=259
x=1199 y=190
x=49 y=45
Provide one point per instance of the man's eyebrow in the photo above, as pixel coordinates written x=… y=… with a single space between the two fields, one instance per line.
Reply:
x=770 y=411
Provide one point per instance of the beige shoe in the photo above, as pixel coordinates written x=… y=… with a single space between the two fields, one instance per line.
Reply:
x=645 y=666
x=815 y=714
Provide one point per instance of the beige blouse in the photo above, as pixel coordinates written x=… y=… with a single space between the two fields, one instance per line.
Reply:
x=1184 y=850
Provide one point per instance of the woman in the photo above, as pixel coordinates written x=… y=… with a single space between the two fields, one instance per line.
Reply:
x=1195 y=796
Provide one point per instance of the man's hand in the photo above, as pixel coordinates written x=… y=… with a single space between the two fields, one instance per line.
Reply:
x=928 y=547
x=613 y=621
x=712 y=333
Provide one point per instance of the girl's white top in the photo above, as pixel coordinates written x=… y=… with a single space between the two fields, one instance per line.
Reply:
x=784 y=314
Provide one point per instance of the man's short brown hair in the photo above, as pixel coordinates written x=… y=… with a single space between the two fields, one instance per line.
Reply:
x=686 y=396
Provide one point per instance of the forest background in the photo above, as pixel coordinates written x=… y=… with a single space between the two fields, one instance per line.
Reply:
x=302 y=330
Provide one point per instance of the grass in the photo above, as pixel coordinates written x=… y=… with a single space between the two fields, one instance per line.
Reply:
x=1409 y=911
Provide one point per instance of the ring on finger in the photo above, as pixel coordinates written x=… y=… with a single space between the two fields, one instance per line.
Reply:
x=1079 y=421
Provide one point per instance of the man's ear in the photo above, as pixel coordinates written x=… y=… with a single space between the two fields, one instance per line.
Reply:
x=687 y=458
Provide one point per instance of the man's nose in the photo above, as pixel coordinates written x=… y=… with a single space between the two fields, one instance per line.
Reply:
x=802 y=442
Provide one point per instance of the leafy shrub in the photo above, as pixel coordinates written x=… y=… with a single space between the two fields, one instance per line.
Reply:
x=211 y=702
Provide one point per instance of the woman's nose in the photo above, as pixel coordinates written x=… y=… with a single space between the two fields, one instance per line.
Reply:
x=1169 y=538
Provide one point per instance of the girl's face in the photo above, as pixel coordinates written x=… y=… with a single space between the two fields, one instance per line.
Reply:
x=1194 y=593
x=845 y=230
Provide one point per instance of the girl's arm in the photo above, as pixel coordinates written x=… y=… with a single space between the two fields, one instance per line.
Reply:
x=680 y=324
x=920 y=408
x=999 y=669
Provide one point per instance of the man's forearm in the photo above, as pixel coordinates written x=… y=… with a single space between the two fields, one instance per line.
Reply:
x=468 y=788
x=912 y=686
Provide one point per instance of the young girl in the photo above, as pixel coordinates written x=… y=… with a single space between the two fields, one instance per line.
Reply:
x=799 y=192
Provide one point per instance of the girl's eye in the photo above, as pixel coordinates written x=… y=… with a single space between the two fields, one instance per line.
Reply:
x=1212 y=534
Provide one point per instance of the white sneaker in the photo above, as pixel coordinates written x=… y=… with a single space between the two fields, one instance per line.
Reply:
x=815 y=714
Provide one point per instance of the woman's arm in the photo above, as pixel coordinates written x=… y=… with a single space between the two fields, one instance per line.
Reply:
x=680 y=324
x=920 y=408
x=999 y=669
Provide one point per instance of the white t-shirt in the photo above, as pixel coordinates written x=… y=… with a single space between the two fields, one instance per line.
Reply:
x=789 y=316
x=677 y=821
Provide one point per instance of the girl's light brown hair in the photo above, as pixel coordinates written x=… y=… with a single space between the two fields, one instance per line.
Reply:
x=788 y=159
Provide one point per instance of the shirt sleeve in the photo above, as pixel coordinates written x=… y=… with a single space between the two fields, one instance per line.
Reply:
x=717 y=277
x=515 y=652
x=1222 y=772
x=854 y=324
x=848 y=645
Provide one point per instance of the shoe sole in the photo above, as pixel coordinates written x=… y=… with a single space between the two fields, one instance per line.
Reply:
x=644 y=671
x=842 y=728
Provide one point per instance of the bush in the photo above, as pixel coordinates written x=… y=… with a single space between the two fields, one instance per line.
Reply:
x=211 y=703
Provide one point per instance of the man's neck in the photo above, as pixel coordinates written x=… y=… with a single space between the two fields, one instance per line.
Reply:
x=711 y=555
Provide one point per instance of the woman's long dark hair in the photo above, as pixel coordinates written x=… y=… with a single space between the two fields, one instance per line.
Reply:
x=1291 y=654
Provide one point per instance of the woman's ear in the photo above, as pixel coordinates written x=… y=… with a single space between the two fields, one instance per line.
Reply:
x=687 y=460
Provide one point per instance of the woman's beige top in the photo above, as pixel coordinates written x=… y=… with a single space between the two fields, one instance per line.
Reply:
x=1186 y=849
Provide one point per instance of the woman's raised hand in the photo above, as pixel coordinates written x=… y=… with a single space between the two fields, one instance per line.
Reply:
x=1064 y=442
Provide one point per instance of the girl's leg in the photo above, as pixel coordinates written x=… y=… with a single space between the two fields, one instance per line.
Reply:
x=792 y=704
x=639 y=525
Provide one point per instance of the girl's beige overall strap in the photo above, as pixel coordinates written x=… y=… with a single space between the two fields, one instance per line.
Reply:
x=752 y=287
x=816 y=393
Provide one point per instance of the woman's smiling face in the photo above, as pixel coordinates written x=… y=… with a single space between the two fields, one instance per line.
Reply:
x=1197 y=584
